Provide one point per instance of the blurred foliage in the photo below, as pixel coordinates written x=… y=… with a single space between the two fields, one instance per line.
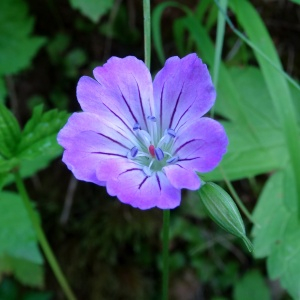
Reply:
x=109 y=250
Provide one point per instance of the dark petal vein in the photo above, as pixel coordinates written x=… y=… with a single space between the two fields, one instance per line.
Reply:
x=130 y=170
x=110 y=154
x=118 y=117
x=187 y=159
x=158 y=181
x=175 y=108
x=182 y=116
x=144 y=180
x=114 y=141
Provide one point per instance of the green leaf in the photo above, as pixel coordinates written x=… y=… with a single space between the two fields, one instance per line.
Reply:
x=93 y=9
x=17 y=46
x=9 y=132
x=296 y=1
x=222 y=209
x=39 y=135
x=251 y=286
x=19 y=252
x=275 y=81
x=276 y=232
x=270 y=216
x=284 y=261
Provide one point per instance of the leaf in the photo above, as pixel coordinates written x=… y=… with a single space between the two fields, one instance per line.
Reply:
x=284 y=261
x=255 y=147
x=296 y=1
x=39 y=135
x=19 y=252
x=251 y=286
x=9 y=132
x=17 y=46
x=270 y=216
x=93 y=9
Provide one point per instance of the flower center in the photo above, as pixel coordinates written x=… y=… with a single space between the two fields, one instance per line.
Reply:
x=153 y=151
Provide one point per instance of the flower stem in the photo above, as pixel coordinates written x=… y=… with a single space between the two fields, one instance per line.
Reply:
x=147 y=32
x=166 y=225
x=42 y=238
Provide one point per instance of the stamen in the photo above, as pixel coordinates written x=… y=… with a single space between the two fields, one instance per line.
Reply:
x=151 y=118
x=171 y=132
x=159 y=154
x=136 y=126
x=172 y=160
x=134 y=151
x=147 y=171
x=145 y=137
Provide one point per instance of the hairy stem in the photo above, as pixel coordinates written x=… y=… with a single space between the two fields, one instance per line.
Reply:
x=147 y=32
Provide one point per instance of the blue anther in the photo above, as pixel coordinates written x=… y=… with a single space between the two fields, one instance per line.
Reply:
x=172 y=160
x=134 y=151
x=171 y=132
x=159 y=154
x=136 y=126
x=151 y=118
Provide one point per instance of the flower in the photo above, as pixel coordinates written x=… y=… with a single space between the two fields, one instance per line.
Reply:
x=144 y=141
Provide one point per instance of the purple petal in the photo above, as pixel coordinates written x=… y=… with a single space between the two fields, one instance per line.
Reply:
x=182 y=178
x=201 y=145
x=90 y=95
x=129 y=183
x=83 y=165
x=183 y=92
x=126 y=88
x=87 y=141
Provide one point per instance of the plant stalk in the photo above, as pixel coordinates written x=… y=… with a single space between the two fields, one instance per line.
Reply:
x=42 y=239
x=166 y=226
x=147 y=32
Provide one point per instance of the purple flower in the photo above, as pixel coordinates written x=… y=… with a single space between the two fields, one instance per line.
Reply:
x=144 y=141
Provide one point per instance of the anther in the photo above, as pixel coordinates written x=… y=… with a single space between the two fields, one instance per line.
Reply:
x=172 y=160
x=136 y=126
x=151 y=118
x=171 y=132
x=134 y=151
x=159 y=154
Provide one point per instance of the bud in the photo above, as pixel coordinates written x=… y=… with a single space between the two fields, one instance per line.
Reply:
x=223 y=210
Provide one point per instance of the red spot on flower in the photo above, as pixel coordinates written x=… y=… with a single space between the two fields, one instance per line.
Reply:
x=152 y=150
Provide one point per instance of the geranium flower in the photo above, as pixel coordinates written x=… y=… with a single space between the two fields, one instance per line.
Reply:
x=144 y=141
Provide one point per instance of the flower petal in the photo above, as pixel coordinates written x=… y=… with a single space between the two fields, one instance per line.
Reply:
x=90 y=95
x=176 y=173
x=183 y=92
x=83 y=165
x=128 y=182
x=126 y=89
x=201 y=145
x=87 y=141
x=87 y=132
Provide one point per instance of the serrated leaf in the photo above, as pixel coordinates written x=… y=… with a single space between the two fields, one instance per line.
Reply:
x=9 y=132
x=17 y=46
x=25 y=271
x=284 y=261
x=251 y=286
x=93 y=9
x=39 y=135
x=19 y=252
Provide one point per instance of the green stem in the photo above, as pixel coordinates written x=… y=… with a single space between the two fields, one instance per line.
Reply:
x=42 y=239
x=236 y=197
x=166 y=225
x=219 y=47
x=147 y=32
